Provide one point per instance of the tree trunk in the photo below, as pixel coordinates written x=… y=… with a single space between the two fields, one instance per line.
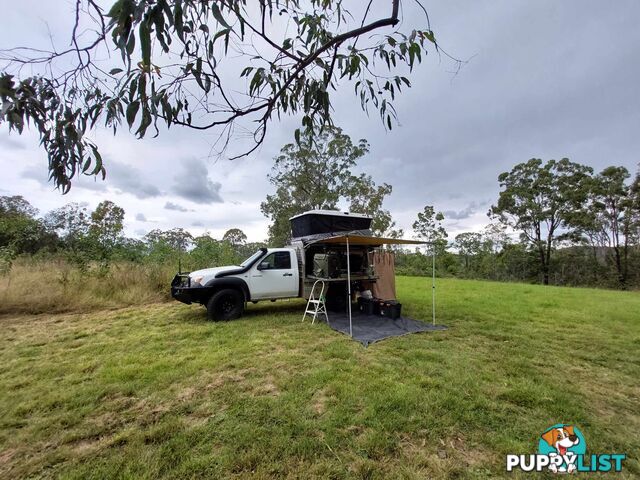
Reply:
x=544 y=265
x=548 y=257
x=619 y=268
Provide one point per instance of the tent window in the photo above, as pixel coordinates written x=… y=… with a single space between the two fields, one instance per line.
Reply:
x=278 y=261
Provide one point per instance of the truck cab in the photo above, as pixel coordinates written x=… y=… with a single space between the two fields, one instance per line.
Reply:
x=268 y=274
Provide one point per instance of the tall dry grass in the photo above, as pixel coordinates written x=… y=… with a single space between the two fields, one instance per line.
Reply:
x=55 y=286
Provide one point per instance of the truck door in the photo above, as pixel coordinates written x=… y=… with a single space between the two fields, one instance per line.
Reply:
x=276 y=276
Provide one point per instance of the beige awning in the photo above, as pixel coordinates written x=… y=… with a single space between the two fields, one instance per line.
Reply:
x=368 y=240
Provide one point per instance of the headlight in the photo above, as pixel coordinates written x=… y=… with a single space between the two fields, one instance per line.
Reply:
x=197 y=279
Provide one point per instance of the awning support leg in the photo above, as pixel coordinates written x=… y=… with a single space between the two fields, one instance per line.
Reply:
x=349 y=288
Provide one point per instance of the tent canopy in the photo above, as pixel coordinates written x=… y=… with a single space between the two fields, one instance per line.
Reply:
x=357 y=238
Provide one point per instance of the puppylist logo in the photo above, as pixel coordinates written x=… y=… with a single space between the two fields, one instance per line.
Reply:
x=563 y=449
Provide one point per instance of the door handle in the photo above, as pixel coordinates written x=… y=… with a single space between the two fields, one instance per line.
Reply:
x=287 y=274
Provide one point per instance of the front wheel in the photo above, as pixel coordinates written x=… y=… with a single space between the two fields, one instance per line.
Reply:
x=227 y=304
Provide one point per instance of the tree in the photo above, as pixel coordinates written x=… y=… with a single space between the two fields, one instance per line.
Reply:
x=428 y=227
x=235 y=237
x=469 y=244
x=20 y=230
x=106 y=226
x=495 y=237
x=71 y=223
x=178 y=65
x=316 y=175
x=634 y=190
x=366 y=197
x=608 y=218
x=538 y=200
x=176 y=238
x=209 y=252
x=16 y=206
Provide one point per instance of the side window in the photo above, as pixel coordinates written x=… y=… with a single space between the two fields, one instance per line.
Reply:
x=278 y=261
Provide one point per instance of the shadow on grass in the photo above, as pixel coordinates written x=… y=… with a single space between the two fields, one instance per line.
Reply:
x=197 y=314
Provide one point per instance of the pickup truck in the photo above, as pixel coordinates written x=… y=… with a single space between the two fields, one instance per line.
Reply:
x=268 y=274
x=318 y=250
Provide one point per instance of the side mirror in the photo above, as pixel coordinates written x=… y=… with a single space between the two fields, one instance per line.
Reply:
x=263 y=266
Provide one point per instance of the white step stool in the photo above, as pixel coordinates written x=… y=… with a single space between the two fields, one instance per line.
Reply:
x=316 y=304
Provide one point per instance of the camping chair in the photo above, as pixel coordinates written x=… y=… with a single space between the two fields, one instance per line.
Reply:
x=316 y=304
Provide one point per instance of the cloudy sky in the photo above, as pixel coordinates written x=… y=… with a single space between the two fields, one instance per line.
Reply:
x=547 y=79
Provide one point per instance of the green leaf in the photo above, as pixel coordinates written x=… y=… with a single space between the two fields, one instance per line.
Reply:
x=144 y=123
x=430 y=36
x=218 y=15
x=221 y=33
x=115 y=71
x=131 y=45
x=115 y=9
x=132 y=111
x=177 y=19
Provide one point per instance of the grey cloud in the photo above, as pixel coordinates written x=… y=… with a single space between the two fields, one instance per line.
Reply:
x=121 y=176
x=556 y=90
x=176 y=207
x=468 y=211
x=194 y=184
x=41 y=175
x=10 y=142
x=129 y=179
x=140 y=217
x=197 y=223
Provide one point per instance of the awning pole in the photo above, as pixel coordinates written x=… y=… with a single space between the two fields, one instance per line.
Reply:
x=349 y=287
x=433 y=283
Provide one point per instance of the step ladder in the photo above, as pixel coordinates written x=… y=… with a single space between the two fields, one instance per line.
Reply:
x=316 y=303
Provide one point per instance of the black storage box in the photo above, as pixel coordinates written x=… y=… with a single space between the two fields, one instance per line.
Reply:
x=390 y=309
x=368 y=306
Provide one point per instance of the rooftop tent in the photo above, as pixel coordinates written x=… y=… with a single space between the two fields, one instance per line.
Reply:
x=317 y=222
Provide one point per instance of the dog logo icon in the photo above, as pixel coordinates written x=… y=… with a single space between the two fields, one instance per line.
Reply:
x=563 y=449
x=564 y=441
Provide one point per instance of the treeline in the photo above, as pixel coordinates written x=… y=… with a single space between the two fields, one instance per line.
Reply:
x=92 y=241
x=575 y=227
x=76 y=260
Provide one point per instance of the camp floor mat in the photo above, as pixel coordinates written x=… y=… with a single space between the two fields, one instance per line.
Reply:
x=373 y=328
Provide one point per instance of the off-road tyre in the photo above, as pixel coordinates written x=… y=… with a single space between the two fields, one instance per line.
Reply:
x=226 y=304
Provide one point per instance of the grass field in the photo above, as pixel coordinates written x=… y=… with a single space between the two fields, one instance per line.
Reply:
x=157 y=392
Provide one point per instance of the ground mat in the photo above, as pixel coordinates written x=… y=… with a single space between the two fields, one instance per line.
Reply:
x=373 y=328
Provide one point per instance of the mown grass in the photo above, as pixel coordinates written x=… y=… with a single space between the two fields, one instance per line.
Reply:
x=158 y=392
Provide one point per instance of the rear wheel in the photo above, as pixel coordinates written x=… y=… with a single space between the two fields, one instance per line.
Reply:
x=226 y=304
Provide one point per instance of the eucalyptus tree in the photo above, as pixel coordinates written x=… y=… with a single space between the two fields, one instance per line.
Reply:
x=469 y=245
x=231 y=66
x=610 y=217
x=317 y=174
x=235 y=237
x=539 y=200
x=429 y=227
x=107 y=223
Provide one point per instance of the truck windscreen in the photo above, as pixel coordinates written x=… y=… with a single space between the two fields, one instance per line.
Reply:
x=253 y=257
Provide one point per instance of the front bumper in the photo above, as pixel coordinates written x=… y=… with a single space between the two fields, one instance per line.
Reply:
x=182 y=290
